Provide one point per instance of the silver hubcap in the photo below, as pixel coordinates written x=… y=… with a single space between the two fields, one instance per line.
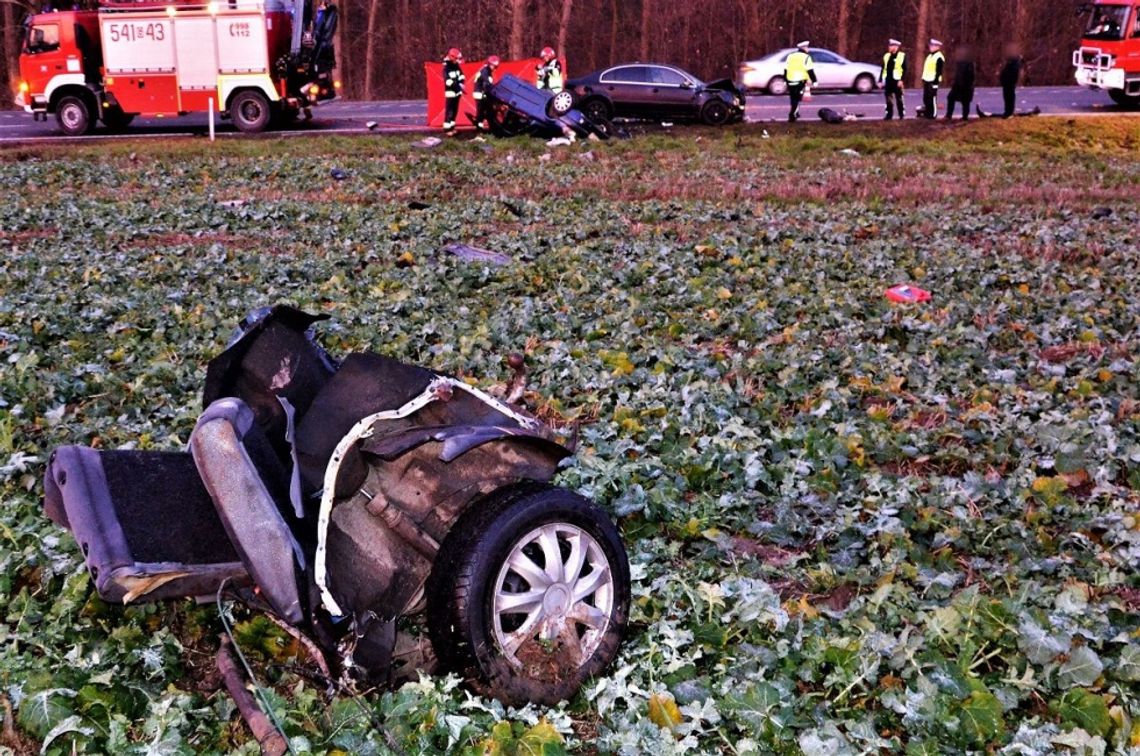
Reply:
x=555 y=591
x=72 y=116
x=563 y=101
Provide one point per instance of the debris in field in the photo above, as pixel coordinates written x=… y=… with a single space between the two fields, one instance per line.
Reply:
x=417 y=205
x=667 y=124
x=1101 y=212
x=559 y=142
x=850 y=152
x=764 y=134
x=264 y=731
x=513 y=208
x=430 y=142
x=475 y=254
x=544 y=157
x=587 y=156
x=232 y=203
x=594 y=137
x=372 y=125
x=133 y=157
x=338 y=174
x=405 y=260
x=906 y=294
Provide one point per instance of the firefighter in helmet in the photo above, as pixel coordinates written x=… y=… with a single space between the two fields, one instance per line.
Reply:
x=931 y=78
x=892 y=77
x=548 y=74
x=484 y=80
x=453 y=81
x=799 y=69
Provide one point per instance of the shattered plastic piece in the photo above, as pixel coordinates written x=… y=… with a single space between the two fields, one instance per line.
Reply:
x=417 y=205
x=431 y=141
x=1101 y=213
x=237 y=203
x=372 y=125
x=850 y=152
x=587 y=156
x=905 y=294
x=559 y=142
x=667 y=124
x=338 y=174
x=476 y=254
x=764 y=134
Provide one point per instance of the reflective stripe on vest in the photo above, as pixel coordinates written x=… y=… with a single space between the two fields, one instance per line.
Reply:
x=897 y=73
x=797 y=67
x=930 y=68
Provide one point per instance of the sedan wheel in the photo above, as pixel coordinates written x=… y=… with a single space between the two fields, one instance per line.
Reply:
x=529 y=597
x=864 y=84
x=715 y=113
x=778 y=86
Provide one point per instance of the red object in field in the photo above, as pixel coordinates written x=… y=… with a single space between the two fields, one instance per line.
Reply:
x=907 y=294
x=524 y=69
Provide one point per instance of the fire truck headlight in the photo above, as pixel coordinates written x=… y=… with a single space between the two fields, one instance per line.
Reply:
x=212 y=8
x=336 y=84
x=24 y=87
x=170 y=10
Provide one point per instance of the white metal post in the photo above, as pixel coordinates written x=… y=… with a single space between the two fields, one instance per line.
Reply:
x=210 y=107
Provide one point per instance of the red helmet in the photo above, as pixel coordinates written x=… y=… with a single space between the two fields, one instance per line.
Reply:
x=493 y=60
x=547 y=53
x=454 y=53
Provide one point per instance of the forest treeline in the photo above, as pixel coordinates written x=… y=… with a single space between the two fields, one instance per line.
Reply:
x=383 y=43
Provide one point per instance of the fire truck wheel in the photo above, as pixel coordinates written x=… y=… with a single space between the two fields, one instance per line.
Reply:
x=1122 y=98
x=116 y=120
x=74 y=116
x=250 y=111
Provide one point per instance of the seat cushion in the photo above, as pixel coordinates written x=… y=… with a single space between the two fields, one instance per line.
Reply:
x=144 y=521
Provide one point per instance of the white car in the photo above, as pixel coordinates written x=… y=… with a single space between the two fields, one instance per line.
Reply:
x=833 y=70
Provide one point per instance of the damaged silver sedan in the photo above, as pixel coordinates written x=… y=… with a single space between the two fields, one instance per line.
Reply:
x=343 y=496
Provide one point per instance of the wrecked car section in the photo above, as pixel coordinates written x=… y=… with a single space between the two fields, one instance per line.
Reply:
x=324 y=492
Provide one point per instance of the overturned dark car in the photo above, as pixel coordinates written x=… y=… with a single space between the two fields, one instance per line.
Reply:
x=657 y=92
x=522 y=108
x=360 y=502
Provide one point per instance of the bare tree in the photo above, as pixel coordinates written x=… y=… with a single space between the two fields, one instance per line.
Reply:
x=564 y=25
x=518 y=26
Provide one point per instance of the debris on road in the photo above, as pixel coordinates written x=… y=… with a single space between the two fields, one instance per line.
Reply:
x=468 y=253
x=372 y=125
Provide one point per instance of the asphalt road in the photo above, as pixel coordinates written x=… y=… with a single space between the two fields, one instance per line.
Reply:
x=410 y=115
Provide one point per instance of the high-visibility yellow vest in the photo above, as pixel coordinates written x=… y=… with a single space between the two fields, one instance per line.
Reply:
x=797 y=66
x=896 y=73
x=930 y=68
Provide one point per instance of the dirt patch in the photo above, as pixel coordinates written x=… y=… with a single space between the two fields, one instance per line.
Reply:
x=773 y=555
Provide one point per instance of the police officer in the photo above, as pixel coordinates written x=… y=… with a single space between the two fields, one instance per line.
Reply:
x=549 y=72
x=892 y=77
x=453 y=81
x=931 y=78
x=798 y=70
x=484 y=80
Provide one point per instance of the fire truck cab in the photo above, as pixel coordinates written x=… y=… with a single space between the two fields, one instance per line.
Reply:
x=246 y=59
x=1109 y=56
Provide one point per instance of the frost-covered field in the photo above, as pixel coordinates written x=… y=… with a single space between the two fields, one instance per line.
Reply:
x=853 y=526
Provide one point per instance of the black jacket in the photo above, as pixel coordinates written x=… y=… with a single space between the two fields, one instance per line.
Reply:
x=965 y=74
x=1011 y=72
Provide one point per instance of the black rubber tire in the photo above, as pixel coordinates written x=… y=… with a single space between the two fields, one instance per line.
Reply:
x=597 y=109
x=716 y=112
x=115 y=119
x=461 y=587
x=864 y=84
x=777 y=85
x=250 y=111
x=561 y=103
x=74 y=116
x=603 y=127
x=1123 y=99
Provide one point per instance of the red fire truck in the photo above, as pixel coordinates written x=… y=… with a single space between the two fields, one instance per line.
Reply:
x=258 y=61
x=1109 y=57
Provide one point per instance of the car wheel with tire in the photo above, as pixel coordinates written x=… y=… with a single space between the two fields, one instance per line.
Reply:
x=560 y=104
x=778 y=85
x=529 y=596
x=603 y=127
x=597 y=109
x=250 y=111
x=864 y=84
x=73 y=114
x=715 y=112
